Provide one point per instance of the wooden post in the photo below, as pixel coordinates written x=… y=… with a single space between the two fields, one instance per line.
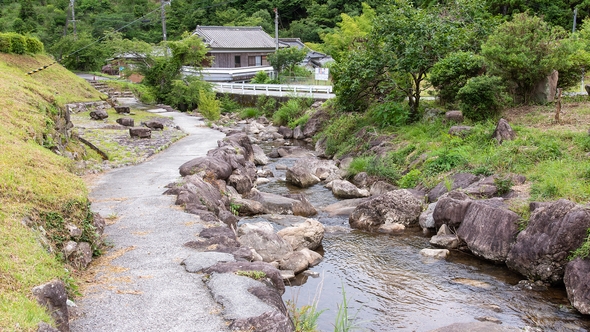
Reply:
x=558 y=105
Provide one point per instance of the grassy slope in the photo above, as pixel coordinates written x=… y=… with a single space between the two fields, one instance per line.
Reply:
x=32 y=180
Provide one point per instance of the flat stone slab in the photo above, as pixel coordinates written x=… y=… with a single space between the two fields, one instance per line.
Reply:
x=157 y=110
x=231 y=291
x=198 y=261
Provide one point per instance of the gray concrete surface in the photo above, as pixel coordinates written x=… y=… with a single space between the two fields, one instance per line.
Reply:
x=139 y=284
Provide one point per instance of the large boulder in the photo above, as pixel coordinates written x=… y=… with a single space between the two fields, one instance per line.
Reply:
x=240 y=143
x=140 y=132
x=445 y=239
x=450 y=209
x=248 y=304
x=541 y=250
x=99 y=114
x=301 y=176
x=315 y=123
x=221 y=169
x=295 y=261
x=296 y=204
x=484 y=188
x=577 y=284
x=286 y=132
x=127 y=122
x=344 y=207
x=457 y=181
x=426 y=220
x=262 y=238
x=298 y=133
x=398 y=207
x=308 y=234
x=381 y=187
x=489 y=230
x=195 y=190
x=345 y=189
x=243 y=183
x=54 y=297
x=154 y=124
x=78 y=254
x=454 y=116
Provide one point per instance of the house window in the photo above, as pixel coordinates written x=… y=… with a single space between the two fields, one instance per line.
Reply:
x=254 y=61
x=238 y=61
x=264 y=61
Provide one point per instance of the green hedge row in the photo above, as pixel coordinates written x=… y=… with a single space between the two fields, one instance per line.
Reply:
x=15 y=43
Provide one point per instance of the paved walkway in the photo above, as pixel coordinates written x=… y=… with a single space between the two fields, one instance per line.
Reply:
x=139 y=284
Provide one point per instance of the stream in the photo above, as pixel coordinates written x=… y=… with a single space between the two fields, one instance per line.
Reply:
x=390 y=286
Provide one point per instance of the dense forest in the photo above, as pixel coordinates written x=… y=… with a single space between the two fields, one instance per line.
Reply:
x=51 y=20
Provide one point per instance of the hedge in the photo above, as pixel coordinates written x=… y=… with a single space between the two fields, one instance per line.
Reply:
x=15 y=43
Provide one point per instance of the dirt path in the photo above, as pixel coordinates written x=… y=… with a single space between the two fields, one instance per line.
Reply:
x=139 y=284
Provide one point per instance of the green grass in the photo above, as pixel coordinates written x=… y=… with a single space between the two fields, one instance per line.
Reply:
x=33 y=181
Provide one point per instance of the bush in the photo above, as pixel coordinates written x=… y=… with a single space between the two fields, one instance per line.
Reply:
x=482 y=97
x=451 y=73
x=411 y=179
x=300 y=121
x=18 y=43
x=288 y=112
x=34 y=45
x=390 y=114
x=360 y=164
x=260 y=78
x=228 y=105
x=5 y=43
x=250 y=112
x=208 y=105
x=267 y=105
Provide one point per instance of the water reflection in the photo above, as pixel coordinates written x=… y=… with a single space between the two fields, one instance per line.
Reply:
x=390 y=286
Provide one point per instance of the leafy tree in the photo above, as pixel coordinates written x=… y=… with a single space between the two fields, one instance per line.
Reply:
x=413 y=41
x=482 y=97
x=80 y=53
x=523 y=52
x=452 y=72
x=286 y=58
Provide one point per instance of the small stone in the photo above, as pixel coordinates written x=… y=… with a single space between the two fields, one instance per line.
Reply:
x=312 y=274
x=435 y=253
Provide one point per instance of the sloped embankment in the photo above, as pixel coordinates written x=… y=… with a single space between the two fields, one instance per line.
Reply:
x=39 y=194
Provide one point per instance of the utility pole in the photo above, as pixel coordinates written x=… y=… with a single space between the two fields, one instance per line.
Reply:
x=163 y=14
x=276 y=29
x=575 y=17
x=73 y=17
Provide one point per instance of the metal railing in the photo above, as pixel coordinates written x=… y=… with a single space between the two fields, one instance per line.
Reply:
x=274 y=89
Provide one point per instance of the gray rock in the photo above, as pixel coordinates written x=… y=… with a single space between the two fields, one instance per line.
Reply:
x=321 y=147
x=127 y=122
x=286 y=132
x=154 y=125
x=484 y=188
x=250 y=305
x=345 y=189
x=99 y=223
x=248 y=207
x=361 y=180
x=394 y=207
x=435 y=253
x=140 y=132
x=308 y=234
x=458 y=181
x=541 y=250
x=460 y=130
x=242 y=183
x=455 y=116
x=261 y=237
x=99 y=114
x=295 y=261
x=221 y=169
x=260 y=157
x=272 y=273
x=298 y=133
x=381 y=187
x=296 y=204
x=426 y=220
x=577 y=284
x=503 y=132
x=53 y=297
x=122 y=109
x=301 y=176
x=489 y=231
x=451 y=209
x=315 y=123
x=196 y=262
x=74 y=231
x=313 y=258
x=545 y=90
x=44 y=327
x=78 y=254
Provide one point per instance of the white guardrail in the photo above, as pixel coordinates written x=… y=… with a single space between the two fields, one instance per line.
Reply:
x=273 y=89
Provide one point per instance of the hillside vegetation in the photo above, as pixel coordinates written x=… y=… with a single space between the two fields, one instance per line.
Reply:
x=35 y=183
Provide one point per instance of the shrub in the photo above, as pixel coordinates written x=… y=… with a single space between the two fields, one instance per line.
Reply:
x=451 y=73
x=18 y=43
x=267 y=105
x=482 y=97
x=228 y=105
x=359 y=164
x=208 y=105
x=5 y=43
x=390 y=114
x=261 y=77
x=288 y=112
x=411 y=179
x=446 y=161
x=249 y=112
x=300 y=121
x=34 y=45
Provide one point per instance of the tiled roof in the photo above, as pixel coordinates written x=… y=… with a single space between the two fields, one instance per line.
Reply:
x=235 y=37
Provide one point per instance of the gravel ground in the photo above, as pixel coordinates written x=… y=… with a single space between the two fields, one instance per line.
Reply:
x=139 y=284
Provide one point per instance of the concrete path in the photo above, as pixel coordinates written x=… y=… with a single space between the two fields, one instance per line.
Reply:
x=139 y=284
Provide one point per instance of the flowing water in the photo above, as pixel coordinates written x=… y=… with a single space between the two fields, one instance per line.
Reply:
x=389 y=286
